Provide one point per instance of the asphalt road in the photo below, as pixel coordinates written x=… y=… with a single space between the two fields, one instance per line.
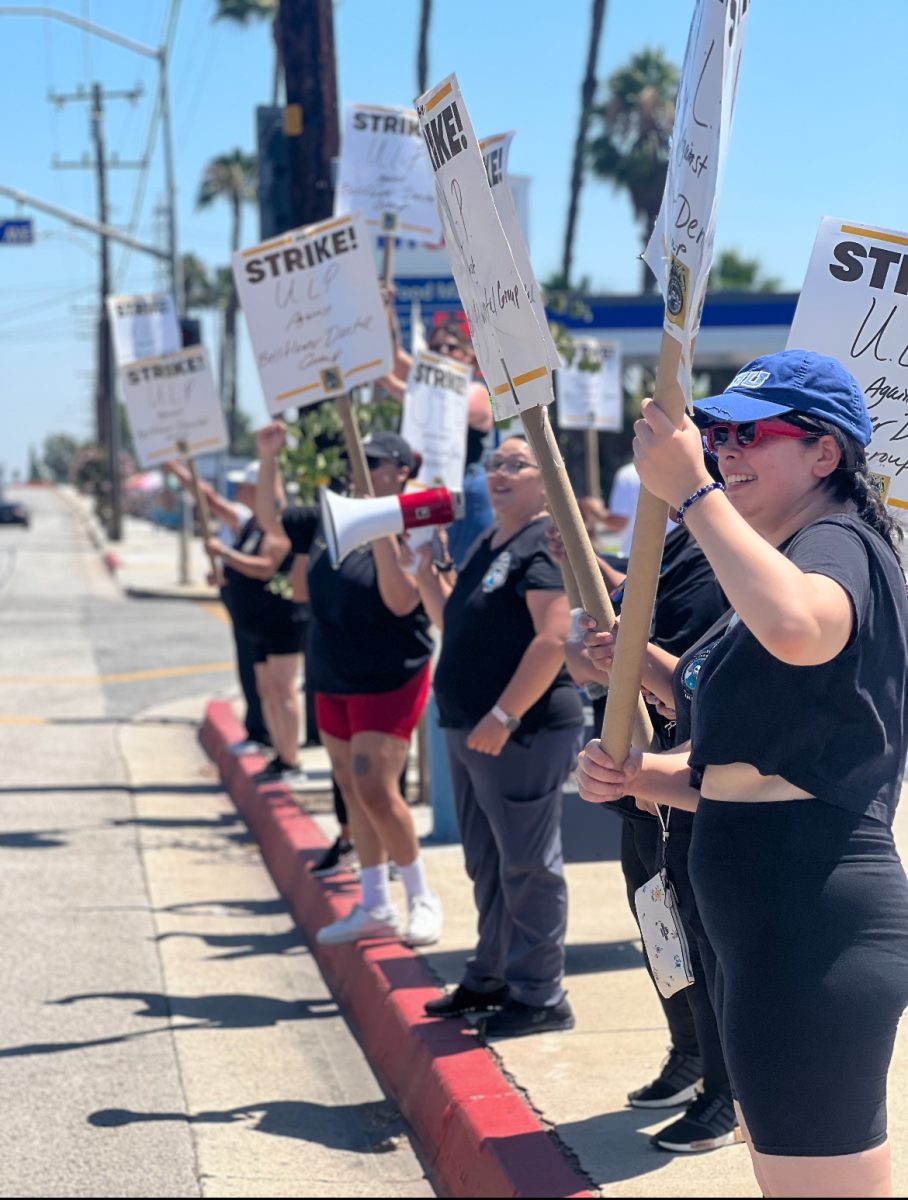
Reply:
x=165 y=1031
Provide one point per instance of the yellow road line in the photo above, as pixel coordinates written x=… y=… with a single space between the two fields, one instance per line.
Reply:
x=218 y=611
x=23 y=720
x=121 y=677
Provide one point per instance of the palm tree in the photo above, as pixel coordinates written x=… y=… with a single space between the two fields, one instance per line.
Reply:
x=229 y=177
x=244 y=12
x=631 y=148
x=422 y=53
x=587 y=95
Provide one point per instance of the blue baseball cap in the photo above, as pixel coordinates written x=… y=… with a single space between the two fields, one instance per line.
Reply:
x=800 y=381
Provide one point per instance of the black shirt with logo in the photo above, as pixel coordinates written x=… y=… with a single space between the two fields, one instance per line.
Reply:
x=836 y=730
x=357 y=646
x=488 y=628
x=689 y=601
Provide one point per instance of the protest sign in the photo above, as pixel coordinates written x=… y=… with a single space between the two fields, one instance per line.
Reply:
x=173 y=406
x=315 y=312
x=511 y=346
x=590 y=394
x=435 y=418
x=495 y=153
x=143 y=327
x=680 y=249
x=384 y=175
x=854 y=307
x=680 y=254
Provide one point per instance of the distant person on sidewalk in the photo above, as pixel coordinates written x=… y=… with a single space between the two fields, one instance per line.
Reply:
x=512 y=719
x=369 y=658
x=233 y=515
x=258 y=573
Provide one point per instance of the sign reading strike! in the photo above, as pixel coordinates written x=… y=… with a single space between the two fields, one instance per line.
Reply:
x=143 y=327
x=314 y=311
x=170 y=401
x=854 y=307
x=495 y=153
x=435 y=418
x=590 y=389
x=511 y=346
x=383 y=174
x=680 y=250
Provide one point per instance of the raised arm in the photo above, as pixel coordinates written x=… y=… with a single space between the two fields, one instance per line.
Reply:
x=269 y=491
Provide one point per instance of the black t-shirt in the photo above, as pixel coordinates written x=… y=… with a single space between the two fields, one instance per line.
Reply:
x=357 y=646
x=689 y=601
x=837 y=730
x=488 y=627
x=252 y=605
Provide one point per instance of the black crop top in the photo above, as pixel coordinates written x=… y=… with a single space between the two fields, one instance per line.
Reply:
x=837 y=730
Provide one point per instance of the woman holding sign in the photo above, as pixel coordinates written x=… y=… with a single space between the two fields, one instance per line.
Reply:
x=798 y=741
x=512 y=719
x=368 y=657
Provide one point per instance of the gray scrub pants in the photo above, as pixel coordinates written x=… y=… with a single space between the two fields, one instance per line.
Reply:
x=509 y=813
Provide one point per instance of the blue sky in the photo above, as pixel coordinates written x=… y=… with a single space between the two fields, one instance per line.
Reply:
x=818 y=130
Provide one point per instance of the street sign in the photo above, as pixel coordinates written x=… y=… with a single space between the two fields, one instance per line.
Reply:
x=16 y=231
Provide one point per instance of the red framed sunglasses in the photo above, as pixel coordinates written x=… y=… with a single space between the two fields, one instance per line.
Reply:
x=751 y=433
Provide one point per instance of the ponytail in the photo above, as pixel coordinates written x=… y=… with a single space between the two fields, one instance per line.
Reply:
x=851 y=481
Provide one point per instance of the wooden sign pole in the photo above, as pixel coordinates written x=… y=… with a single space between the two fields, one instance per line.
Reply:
x=642 y=578
x=359 y=468
x=593 y=479
x=581 y=557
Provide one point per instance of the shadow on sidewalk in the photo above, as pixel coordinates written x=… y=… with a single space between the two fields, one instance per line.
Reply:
x=368 y=1128
x=613 y=1146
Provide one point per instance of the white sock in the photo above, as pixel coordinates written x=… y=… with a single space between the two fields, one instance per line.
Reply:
x=376 y=889
x=414 y=879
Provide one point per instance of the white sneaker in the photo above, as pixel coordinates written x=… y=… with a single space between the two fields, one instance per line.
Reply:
x=360 y=923
x=425 y=920
x=248 y=746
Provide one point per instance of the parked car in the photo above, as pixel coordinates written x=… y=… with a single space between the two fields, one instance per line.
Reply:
x=12 y=513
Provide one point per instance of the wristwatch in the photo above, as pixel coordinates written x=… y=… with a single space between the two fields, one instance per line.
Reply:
x=510 y=723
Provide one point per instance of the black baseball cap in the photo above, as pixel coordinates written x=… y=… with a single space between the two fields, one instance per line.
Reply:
x=387 y=445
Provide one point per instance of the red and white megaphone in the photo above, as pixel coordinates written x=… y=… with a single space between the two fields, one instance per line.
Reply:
x=349 y=523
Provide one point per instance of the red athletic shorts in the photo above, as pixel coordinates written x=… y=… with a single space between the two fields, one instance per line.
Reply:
x=396 y=713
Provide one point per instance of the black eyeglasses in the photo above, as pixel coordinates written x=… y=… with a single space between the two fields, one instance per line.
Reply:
x=509 y=466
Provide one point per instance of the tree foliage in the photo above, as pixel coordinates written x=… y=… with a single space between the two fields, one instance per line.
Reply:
x=57 y=455
x=732 y=272
x=631 y=131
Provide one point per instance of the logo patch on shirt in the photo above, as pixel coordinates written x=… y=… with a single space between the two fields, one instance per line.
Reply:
x=497 y=572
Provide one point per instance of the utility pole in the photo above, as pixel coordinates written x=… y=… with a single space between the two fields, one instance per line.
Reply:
x=306 y=34
x=107 y=407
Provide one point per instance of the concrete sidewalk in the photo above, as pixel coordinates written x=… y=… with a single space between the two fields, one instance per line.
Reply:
x=544 y=1115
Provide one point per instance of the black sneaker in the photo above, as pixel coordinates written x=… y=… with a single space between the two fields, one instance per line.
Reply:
x=516 y=1019
x=708 y=1124
x=271 y=770
x=462 y=1000
x=337 y=858
x=675 y=1084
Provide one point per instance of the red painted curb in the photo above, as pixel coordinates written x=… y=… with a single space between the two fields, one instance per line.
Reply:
x=480 y=1137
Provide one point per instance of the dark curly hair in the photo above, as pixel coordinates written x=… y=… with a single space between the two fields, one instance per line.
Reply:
x=851 y=480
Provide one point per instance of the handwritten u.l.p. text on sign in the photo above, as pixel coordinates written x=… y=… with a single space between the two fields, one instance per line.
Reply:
x=681 y=247
x=854 y=307
x=495 y=153
x=435 y=418
x=383 y=174
x=171 y=402
x=314 y=311
x=508 y=340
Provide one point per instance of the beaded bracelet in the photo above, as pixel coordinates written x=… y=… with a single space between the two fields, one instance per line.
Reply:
x=698 y=495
